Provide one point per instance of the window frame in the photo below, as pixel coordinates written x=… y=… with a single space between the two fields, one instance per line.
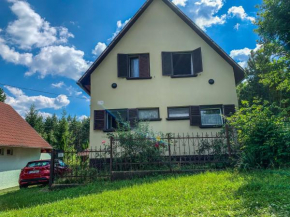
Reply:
x=137 y=55
x=130 y=57
x=177 y=118
x=152 y=119
x=2 y=151
x=11 y=152
x=191 y=62
x=106 y=119
x=210 y=107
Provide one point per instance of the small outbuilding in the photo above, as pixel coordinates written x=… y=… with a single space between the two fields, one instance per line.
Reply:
x=19 y=144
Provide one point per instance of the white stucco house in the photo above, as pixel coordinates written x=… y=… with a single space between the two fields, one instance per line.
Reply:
x=19 y=144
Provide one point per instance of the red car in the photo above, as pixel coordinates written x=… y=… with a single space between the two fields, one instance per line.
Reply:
x=38 y=172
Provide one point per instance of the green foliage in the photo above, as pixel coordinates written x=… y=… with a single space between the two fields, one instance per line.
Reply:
x=140 y=145
x=64 y=133
x=224 y=193
x=273 y=23
x=2 y=95
x=262 y=135
x=35 y=120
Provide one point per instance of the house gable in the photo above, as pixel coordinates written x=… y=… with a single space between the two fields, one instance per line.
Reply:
x=85 y=80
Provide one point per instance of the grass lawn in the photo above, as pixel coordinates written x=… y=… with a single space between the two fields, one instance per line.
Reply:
x=226 y=193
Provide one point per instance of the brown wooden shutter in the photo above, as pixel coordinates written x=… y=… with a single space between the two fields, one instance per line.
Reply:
x=144 y=65
x=197 y=61
x=123 y=65
x=99 y=119
x=167 y=63
x=133 y=117
x=229 y=110
x=195 y=117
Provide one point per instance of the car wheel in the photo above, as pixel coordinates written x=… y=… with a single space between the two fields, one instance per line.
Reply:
x=23 y=186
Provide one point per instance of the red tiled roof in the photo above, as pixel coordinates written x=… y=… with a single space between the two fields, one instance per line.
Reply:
x=16 y=132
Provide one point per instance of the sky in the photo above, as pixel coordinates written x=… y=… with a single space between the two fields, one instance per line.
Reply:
x=47 y=45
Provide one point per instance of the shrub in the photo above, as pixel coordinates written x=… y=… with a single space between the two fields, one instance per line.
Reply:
x=140 y=145
x=262 y=134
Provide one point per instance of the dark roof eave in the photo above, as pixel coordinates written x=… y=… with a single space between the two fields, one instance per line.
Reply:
x=238 y=70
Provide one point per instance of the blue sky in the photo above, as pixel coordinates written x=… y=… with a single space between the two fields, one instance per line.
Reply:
x=47 y=45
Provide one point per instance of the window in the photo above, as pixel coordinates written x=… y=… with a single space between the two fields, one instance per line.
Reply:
x=151 y=114
x=115 y=117
x=38 y=164
x=1 y=151
x=211 y=117
x=182 y=64
x=10 y=151
x=134 y=67
x=178 y=113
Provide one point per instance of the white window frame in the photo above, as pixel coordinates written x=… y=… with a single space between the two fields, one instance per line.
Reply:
x=147 y=109
x=130 y=66
x=221 y=116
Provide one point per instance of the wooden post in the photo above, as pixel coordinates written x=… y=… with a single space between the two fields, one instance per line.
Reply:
x=51 y=175
x=111 y=157
x=169 y=151
x=228 y=141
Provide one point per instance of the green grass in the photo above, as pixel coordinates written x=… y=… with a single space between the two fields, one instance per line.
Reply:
x=225 y=193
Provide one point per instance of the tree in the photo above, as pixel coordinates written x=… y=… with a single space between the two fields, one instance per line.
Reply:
x=50 y=129
x=35 y=120
x=274 y=24
x=63 y=134
x=2 y=95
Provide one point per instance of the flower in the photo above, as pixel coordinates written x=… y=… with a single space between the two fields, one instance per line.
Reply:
x=157 y=145
x=103 y=142
x=158 y=138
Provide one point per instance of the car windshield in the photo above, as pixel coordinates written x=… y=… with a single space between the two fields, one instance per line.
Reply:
x=38 y=164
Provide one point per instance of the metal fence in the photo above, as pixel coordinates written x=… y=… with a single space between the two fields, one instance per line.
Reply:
x=172 y=153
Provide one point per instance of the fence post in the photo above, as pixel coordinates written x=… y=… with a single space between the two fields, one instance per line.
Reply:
x=228 y=141
x=51 y=175
x=169 y=151
x=111 y=157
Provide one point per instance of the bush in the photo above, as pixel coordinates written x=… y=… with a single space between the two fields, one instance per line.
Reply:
x=140 y=145
x=262 y=134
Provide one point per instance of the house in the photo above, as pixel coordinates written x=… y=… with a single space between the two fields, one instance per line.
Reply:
x=19 y=144
x=164 y=69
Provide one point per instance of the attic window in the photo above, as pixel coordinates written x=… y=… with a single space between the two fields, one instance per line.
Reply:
x=182 y=64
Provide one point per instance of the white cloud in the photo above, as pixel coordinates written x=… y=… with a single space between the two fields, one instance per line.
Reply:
x=82 y=117
x=58 y=85
x=204 y=12
x=240 y=13
x=59 y=61
x=44 y=114
x=120 y=26
x=31 y=30
x=73 y=92
x=10 y=55
x=21 y=102
x=179 y=2
x=100 y=47
x=237 y=26
x=242 y=55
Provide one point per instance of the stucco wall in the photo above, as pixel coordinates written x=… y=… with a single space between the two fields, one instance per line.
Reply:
x=11 y=165
x=160 y=29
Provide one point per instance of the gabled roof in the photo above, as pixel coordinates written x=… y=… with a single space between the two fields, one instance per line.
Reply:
x=16 y=132
x=84 y=81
